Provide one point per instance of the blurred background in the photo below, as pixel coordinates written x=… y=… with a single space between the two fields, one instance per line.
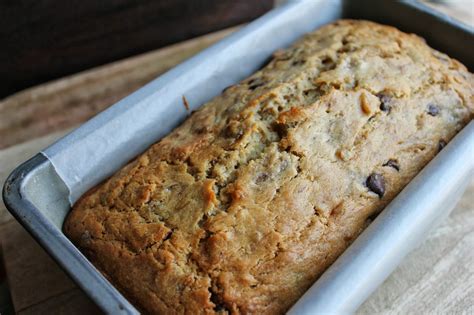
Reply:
x=47 y=39
x=63 y=61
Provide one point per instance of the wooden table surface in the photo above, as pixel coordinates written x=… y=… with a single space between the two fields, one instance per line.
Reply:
x=437 y=277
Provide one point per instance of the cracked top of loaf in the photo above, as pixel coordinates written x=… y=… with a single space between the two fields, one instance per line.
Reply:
x=242 y=207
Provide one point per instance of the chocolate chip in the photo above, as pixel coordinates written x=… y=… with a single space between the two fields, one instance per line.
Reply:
x=280 y=129
x=392 y=163
x=255 y=83
x=219 y=307
x=376 y=183
x=384 y=102
x=433 y=110
x=441 y=144
x=326 y=60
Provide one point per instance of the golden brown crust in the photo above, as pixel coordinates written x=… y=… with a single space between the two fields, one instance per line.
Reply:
x=242 y=207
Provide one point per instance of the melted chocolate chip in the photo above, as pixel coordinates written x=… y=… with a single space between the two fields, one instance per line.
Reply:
x=441 y=144
x=326 y=60
x=280 y=129
x=392 y=163
x=433 y=110
x=384 y=102
x=220 y=307
x=168 y=236
x=376 y=183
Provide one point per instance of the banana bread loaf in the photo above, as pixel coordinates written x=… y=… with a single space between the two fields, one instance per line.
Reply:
x=243 y=207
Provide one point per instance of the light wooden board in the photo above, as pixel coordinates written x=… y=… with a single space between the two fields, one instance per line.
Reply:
x=35 y=279
x=438 y=276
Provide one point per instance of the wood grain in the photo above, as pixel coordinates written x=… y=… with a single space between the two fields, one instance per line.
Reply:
x=438 y=276
x=46 y=39
x=38 y=284
x=63 y=103
x=73 y=302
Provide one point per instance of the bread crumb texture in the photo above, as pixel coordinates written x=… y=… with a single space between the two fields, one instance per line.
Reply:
x=241 y=208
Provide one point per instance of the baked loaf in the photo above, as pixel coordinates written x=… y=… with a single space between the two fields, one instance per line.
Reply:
x=242 y=207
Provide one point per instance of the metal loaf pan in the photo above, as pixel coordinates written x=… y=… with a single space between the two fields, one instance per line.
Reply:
x=39 y=192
